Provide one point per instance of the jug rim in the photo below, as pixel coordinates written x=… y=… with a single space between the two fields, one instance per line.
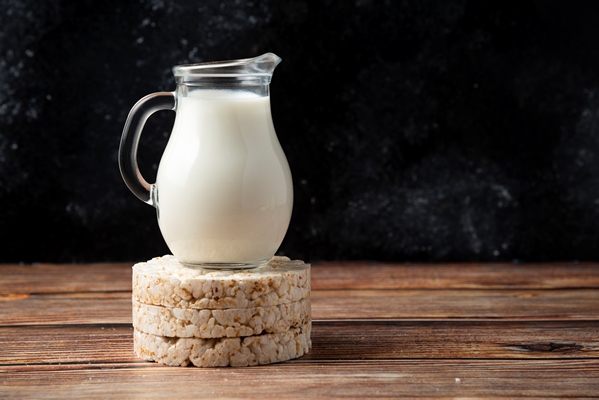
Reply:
x=260 y=67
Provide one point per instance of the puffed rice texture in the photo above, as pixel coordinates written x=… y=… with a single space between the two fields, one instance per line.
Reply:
x=232 y=322
x=164 y=281
x=262 y=349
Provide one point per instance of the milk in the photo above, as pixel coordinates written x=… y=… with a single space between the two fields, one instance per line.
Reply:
x=223 y=189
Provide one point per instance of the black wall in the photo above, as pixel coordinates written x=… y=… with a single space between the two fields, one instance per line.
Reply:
x=415 y=130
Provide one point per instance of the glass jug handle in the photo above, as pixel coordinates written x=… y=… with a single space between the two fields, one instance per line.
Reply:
x=136 y=120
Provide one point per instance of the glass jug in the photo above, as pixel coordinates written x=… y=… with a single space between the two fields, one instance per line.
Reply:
x=223 y=191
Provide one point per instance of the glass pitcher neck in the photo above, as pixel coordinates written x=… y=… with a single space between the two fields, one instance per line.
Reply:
x=222 y=90
x=242 y=73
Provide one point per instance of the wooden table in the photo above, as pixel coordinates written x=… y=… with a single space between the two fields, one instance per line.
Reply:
x=379 y=330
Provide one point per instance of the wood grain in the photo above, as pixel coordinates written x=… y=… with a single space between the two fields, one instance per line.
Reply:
x=470 y=304
x=385 y=340
x=332 y=341
x=67 y=344
x=66 y=308
x=360 y=275
x=57 y=278
x=62 y=278
x=115 y=307
x=379 y=330
x=404 y=378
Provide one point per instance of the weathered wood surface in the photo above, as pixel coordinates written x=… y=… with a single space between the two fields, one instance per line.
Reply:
x=380 y=330
x=53 y=278
x=61 y=278
x=353 y=275
x=296 y=379
x=115 y=307
x=332 y=340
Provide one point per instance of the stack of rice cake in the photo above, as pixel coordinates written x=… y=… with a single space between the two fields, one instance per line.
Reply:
x=211 y=318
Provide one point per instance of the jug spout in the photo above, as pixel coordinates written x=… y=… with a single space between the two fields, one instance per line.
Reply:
x=264 y=64
x=256 y=70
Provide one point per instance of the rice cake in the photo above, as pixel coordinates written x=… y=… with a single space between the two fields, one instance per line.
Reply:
x=165 y=282
x=217 y=323
x=221 y=352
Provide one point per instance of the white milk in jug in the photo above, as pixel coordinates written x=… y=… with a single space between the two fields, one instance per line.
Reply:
x=223 y=189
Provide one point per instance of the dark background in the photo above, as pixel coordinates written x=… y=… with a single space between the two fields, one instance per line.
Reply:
x=415 y=130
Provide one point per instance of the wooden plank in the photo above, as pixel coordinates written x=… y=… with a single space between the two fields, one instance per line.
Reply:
x=115 y=308
x=363 y=275
x=461 y=330
x=66 y=308
x=59 y=278
x=473 y=304
x=64 y=344
x=386 y=340
x=404 y=378
x=331 y=341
